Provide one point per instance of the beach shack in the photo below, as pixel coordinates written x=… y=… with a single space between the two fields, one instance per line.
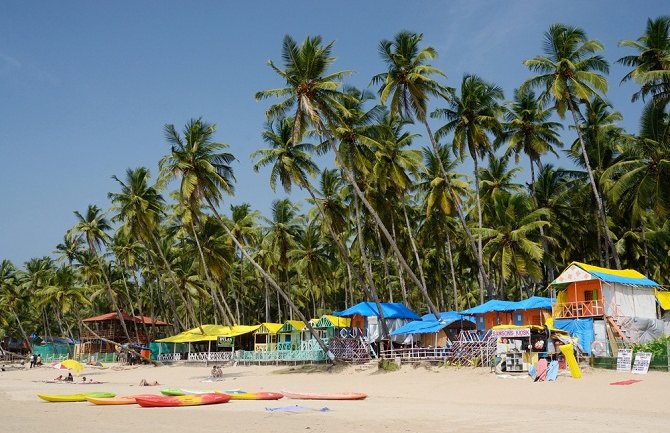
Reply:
x=365 y=320
x=495 y=312
x=519 y=347
x=329 y=326
x=100 y=331
x=265 y=337
x=600 y=306
x=430 y=332
x=289 y=335
x=208 y=343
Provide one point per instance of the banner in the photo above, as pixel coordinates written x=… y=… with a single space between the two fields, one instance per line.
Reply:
x=511 y=333
x=641 y=364
x=623 y=360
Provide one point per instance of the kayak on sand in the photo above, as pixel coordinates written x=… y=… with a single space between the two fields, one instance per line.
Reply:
x=125 y=399
x=256 y=396
x=181 y=400
x=66 y=398
x=325 y=396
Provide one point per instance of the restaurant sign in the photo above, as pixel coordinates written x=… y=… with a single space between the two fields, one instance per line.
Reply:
x=511 y=333
x=225 y=341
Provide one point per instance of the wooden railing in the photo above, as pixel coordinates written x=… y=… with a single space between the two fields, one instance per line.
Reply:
x=578 y=309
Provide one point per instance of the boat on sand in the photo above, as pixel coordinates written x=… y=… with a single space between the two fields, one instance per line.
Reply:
x=325 y=396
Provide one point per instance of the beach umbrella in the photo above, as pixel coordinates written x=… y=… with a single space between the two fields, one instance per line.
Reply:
x=69 y=364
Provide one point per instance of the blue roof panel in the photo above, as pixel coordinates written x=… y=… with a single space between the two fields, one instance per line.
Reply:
x=390 y=311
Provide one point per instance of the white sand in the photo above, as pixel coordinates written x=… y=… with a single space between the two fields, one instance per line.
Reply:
x=410 y=400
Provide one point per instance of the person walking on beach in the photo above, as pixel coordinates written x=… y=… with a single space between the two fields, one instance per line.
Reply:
x=33 y=360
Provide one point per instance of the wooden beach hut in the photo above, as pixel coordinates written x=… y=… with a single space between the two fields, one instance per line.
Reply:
x=265 y=337
x=496 y=312
x=329 y=326
x=602 y=306
x=290 y=335
x=365 y=320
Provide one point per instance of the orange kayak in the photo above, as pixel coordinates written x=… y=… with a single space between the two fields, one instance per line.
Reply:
x=325 y=396
x=181 y=400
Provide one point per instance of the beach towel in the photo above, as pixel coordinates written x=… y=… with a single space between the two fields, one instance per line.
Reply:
x=296 y=409
x=532 y=372
x=552 y=371
x=626 y=382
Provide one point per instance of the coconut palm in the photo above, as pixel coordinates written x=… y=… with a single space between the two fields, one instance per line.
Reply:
x=205 y=174
x=93 y=227
x=408 y=81
x=12 y=296
x=569 y=73
x=528 y=130
x=318 y=102
x=471 y=116
x=651 y=65
x=510 y=242
x=640 y=180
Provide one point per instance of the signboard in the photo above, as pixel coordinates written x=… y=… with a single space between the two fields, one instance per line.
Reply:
x=623 y=360
x=641 y=364
x=225 y=341
x=511 y=333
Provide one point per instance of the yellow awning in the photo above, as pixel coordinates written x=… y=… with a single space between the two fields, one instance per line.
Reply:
x=339 y=322
x=627 y=273
x=212 y=332
x=663 y=299
x=269 y=328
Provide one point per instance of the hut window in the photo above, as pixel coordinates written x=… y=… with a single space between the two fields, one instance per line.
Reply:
x=588 y=295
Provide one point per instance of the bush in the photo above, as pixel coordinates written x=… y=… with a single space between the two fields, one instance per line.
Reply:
x=388 y=365
x=658 y=347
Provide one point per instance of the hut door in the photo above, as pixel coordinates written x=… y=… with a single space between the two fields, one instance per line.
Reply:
x=518 y=319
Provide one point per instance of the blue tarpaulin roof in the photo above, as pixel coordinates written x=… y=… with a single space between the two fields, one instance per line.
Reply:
x=390 y=311
x=644 y=281
x=496 y=305
x=429 y=325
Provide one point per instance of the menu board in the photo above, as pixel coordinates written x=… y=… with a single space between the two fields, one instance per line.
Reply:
x=641 y=364
x=623 y=360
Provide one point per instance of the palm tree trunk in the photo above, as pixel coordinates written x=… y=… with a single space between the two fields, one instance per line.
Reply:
x=459 y=210
x=215 y=299
x=382 y=253
x=344 y=252
x=594 y=186
x=110 y=292
x=184 y=297
x=352 y=180
x=23 y=332
x=453 y=273
x=401 y=277
x=549 y=268
x=269 y=279
x=416 y=252
x=130 y=302
x=140 y=309
x=480 y=258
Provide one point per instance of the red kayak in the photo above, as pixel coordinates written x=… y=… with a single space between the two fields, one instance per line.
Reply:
x=326 y=396
x=181 y=400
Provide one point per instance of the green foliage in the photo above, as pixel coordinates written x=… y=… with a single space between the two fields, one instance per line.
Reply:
x=658 y=347
x=388 y=365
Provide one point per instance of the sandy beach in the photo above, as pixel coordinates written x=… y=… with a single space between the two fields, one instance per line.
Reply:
x=413 y=399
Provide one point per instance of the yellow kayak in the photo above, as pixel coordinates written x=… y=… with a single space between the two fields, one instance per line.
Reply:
x=63 y=398
x=126 y=399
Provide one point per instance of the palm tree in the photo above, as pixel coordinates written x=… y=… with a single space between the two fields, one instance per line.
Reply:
x=640 y=180
x=408 y=81
x=318 y=102
x=497 y=178
x=510 y=242
x=569 y=74
x=283 y=229
x=205 y=174
x=11 y=295
x=651 y=66
x=528 y=130
x=93 y=227
x=471 y=116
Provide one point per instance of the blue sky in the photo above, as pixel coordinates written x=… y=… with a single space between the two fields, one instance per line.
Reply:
x=86 y=87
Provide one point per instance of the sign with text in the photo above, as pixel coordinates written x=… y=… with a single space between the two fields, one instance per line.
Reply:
x=225 y=341
x=511 y=333
x=623 y=360
x=641 y=364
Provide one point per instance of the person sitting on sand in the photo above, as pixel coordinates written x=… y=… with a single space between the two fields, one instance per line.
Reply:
x=83 y=379
x=144 y=382
x=69 y=378
x=59 y=378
